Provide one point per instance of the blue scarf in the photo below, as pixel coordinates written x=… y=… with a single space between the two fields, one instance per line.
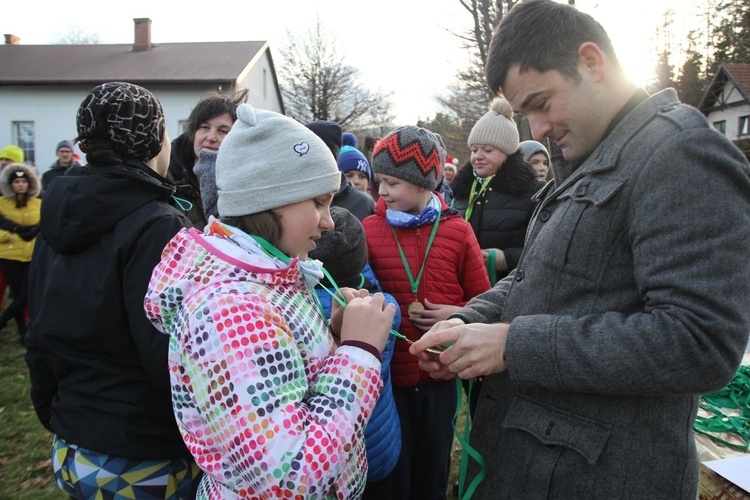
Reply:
x=428 y=215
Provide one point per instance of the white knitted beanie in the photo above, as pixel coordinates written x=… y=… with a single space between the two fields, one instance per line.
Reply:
x=268 y=160
x=496 y=128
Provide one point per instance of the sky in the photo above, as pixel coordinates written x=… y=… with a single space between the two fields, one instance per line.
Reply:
x=401 y=46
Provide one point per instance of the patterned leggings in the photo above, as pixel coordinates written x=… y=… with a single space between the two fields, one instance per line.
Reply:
x=88 y=474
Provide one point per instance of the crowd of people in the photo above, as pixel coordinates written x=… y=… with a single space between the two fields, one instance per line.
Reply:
x=261 y=309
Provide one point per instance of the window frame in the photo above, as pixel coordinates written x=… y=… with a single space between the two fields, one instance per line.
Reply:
x=25 y=140
x=721 y=126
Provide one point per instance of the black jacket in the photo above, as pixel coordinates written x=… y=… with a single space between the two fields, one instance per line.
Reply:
x=503 y=212
x=181 y=174
x=98 y=367
x=357 y=202
x=55 y=171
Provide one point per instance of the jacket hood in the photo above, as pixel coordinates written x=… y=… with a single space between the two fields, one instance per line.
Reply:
x=344 y=186
x=174 y=278
x=5 y=181
x=86 y=203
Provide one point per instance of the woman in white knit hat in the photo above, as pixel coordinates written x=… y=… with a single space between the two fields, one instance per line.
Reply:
x=494 y=190
x=267 y=401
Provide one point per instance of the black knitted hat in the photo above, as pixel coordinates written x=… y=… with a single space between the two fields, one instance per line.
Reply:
x=330 y=133
x=125 y=115
x=343 y=250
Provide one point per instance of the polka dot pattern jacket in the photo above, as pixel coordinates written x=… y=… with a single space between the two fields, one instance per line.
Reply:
x=265 y=401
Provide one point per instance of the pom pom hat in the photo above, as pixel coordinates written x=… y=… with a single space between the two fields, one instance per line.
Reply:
x=412 y=154
x=268 y=160
x=350 y=139
x=451 y=163
x=496 y=128
x=350 y=158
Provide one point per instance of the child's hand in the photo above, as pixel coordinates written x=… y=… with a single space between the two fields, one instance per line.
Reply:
x=368 y=319
x=423 y=319
x=499 y=256
x=337 y=310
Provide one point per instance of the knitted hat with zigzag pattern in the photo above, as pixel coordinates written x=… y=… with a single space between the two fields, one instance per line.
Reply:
x=409 y=153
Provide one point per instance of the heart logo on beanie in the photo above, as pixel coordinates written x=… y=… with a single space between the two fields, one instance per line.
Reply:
x=301 y=148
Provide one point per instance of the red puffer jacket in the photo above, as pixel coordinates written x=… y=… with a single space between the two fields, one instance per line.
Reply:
x=454 y=273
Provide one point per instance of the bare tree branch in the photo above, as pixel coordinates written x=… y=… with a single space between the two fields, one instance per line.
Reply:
x=317 y=84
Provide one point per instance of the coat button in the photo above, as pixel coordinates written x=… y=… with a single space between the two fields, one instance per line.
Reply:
x=519 y=275
x=544 y=215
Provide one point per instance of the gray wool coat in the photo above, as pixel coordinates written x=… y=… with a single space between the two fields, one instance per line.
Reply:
x=632 y=297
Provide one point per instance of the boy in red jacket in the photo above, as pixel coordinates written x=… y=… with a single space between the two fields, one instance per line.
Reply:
x=427 y=257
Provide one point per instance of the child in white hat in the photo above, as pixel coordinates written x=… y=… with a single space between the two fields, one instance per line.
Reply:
x=269 y=404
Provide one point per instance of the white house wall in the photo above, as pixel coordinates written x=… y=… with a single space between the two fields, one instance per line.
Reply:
x=731 y=115
x=730 y=93
x=53 y=109
x=263 y=91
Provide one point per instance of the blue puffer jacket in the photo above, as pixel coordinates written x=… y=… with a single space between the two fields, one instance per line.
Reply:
x=383 y=431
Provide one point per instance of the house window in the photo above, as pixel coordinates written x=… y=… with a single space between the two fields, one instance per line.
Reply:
x=721 y=126
x=23 y=135
x=744 y=128
x=265 y=84
x=182 y=126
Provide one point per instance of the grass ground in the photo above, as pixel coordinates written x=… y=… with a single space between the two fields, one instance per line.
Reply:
x=456 y=450
x=25 y=465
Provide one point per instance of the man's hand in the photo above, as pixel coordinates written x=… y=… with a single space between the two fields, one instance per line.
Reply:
x=475 y=349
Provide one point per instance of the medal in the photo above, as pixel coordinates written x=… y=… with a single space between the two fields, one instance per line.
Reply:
x=414 y=306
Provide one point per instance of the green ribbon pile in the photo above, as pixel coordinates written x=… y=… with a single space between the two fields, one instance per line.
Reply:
x=722 y=407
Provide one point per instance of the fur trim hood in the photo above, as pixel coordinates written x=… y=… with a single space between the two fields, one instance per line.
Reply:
x=5 y=181
x=514 y=177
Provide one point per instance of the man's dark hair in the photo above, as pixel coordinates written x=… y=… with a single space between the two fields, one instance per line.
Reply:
x=542 y=35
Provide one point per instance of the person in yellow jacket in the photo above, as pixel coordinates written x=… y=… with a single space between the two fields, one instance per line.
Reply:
x=19 y=204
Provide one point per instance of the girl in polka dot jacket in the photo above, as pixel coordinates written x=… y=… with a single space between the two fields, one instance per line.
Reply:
x=266 y=402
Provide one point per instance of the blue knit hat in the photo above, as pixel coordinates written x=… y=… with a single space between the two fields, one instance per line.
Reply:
x=351 y=159
x=350 y=139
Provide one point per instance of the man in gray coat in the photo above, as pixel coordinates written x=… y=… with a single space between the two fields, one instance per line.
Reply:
x=632 y=296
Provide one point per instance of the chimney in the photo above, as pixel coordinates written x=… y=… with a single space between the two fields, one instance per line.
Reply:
x=12 y=40
x=142 y=34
